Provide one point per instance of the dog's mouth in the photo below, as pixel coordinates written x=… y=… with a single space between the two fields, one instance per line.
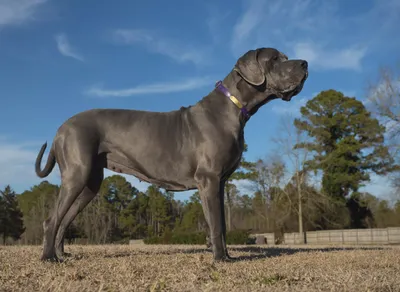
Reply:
x=296 y=90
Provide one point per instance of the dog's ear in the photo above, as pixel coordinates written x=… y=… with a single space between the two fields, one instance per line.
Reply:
x=249 y=68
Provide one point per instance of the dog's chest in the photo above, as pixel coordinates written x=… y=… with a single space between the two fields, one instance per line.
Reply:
x=235 y=157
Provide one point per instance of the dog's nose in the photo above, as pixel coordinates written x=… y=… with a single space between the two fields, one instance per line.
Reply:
x=304 y=65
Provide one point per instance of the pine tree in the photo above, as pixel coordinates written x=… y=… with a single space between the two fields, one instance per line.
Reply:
x=346 y=140
x=11 y=217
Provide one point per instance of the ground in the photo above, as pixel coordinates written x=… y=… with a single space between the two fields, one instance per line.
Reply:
x=190 y=268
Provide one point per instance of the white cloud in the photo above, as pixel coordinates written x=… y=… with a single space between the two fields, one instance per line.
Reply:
x=251 y=19
x=14 y=12
x=17 y=165
x=177 y=50
x=215 y=23
x=155 y=88
x=276 y=24
x=324 y=58
x=317 y=31
x=244 y=186
x=65 y=48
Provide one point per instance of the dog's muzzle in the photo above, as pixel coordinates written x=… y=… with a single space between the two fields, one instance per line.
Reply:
x=297 y=89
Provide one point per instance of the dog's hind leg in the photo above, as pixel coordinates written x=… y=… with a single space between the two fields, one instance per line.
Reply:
x=76 y=162
x=67 y=196
x=89 y=192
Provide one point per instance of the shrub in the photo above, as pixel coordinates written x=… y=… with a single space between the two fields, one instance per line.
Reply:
x=189 y=238
x=152 y=240
x=237 y=237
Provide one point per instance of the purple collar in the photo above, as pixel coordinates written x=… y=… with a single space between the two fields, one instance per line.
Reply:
x=226 y=92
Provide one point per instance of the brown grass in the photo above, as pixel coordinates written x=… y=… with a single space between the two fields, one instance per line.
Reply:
x=190 y=268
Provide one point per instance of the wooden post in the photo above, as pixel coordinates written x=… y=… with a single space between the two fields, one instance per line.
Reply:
x=372 y=236
x=356 y=235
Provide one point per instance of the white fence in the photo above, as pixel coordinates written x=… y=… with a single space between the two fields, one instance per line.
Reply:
x=390 y=235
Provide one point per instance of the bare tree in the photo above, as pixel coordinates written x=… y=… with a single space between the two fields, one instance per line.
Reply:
x=384 y=101
x=269 y=174
x=297 y=158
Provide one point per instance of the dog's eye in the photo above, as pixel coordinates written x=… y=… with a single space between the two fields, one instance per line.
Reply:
x=275 y=58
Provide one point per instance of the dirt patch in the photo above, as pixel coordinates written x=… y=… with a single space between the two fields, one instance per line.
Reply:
x=190 y=268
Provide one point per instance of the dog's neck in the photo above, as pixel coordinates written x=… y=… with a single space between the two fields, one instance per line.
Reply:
x=249 y=96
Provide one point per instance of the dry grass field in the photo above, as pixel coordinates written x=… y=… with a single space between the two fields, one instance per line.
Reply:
x=190 y=268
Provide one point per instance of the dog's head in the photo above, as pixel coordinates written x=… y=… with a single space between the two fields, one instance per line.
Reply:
x=269 y=71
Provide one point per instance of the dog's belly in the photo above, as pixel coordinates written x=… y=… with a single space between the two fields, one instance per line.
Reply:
x=120 y=164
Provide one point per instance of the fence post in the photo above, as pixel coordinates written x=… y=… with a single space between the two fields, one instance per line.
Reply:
x=372 y=236
x=388 y=237
x=342 y=236
x=356 y=235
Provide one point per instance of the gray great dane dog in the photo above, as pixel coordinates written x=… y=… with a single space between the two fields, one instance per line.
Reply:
x=195 y=147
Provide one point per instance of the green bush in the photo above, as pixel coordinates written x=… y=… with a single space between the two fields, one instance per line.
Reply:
x=152 y=240
x=189 y=238
x=236 y=237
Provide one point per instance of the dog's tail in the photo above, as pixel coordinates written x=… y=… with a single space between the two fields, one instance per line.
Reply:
x=51 y=161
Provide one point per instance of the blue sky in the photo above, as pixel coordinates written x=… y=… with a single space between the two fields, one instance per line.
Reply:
x=58 y=58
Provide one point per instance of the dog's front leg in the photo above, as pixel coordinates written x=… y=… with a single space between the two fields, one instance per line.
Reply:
x=222 y=205
x=209 y=190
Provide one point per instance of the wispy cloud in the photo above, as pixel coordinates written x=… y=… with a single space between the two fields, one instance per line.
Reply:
x=300 y=28
x=14 y=12
x=177 y=50
x=214 y=23
x=17 y=162
x=155 y=88
x=65 y=48
x=324 y=58
x=244 y=186
x=248 y=22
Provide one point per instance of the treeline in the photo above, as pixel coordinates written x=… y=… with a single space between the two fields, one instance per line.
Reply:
x=121 y=212
x=311 y=181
